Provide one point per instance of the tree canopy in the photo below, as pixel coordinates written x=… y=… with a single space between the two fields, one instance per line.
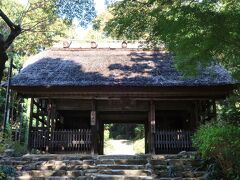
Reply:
x=198 y=32
x=37 y=24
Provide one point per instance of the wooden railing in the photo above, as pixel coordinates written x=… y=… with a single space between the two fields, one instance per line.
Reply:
x=173 y=141
x=61 y=140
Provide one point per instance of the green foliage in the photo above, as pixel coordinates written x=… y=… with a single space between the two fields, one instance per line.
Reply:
x=219 y=141
x=229 y=110
x=7 y=171
x=2 y=176
x=8 y=143
x=40 y=24
x=126 y=131
x=197 y=32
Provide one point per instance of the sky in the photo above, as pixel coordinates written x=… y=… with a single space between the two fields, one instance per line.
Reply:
x=99 y=5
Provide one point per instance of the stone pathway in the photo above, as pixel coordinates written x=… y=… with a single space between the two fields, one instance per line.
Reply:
x=120 y=147
x=181 y=166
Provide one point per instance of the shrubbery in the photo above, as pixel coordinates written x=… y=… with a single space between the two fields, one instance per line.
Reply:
x=20 y=149
x=7 y=171
x=219 y=142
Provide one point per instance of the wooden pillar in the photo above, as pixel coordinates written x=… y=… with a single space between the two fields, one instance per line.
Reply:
x=93 y=123
x=146 y=136
x=214 y=109
x=151 y=127
x=20 y=114
x=37 y=114
x=49 y=108
x=196 y=114
x=30 y=126
x=101 y=137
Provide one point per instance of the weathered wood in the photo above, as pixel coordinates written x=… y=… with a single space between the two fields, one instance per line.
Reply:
x=151 y=129
x=173 y=141
x=94 y=145
x=101 y=137
x=49 y=109
x=118 y=105
x=78 y=140
x=30 y=126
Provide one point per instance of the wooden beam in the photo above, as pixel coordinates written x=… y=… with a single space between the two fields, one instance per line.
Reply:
x=126 y=92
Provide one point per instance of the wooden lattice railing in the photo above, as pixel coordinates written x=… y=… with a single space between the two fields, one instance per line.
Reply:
x=61 y=140
x=173 y=141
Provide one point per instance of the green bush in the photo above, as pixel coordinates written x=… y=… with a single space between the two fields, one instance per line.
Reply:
x=2 y=176
x=20 y=149
x=7 y=171
x=220 y=142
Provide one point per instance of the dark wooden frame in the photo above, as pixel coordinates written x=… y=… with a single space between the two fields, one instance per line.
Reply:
x=199 y=100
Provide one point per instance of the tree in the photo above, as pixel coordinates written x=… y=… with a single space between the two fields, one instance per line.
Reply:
x=43 y=18
x=5 y=44
x=197 y=32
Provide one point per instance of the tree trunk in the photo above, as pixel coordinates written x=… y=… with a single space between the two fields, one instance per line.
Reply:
x=3 y=56
x=5 y=44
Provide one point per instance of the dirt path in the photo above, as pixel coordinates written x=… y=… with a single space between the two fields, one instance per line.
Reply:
x=124 y=147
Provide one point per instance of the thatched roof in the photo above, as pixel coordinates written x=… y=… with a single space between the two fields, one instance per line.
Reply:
x=107 y=67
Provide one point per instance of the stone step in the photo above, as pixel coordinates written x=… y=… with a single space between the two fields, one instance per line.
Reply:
x=122 y=161
x=177 y=178
x=44 y=173
x=183 y=174
x=181 y=155
x=56 y=165
x=60 y=157
x=97 y=177
x=120 y=166
x=52 y=178
x=176 y=162
x=121 y=177
x=12 y=162
x=122 y=157
x=124 y=172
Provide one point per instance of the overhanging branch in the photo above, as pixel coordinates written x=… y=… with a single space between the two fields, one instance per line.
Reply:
x=15 y=30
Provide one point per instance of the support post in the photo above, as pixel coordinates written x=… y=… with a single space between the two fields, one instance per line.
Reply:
x=196 y=114
x=30 y=127
x=146 y=137
x=152 y=123
x=93 y=122
x=49 y=108
x=214 y=109
x=20 y=115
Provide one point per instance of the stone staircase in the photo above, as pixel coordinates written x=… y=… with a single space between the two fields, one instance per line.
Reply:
x=105 y=167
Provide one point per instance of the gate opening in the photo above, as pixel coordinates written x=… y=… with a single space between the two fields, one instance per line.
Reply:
x=124 y=139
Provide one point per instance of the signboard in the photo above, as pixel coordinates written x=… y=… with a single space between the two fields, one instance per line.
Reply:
x=93 y=118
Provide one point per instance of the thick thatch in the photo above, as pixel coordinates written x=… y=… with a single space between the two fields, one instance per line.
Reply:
x=89 y=67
